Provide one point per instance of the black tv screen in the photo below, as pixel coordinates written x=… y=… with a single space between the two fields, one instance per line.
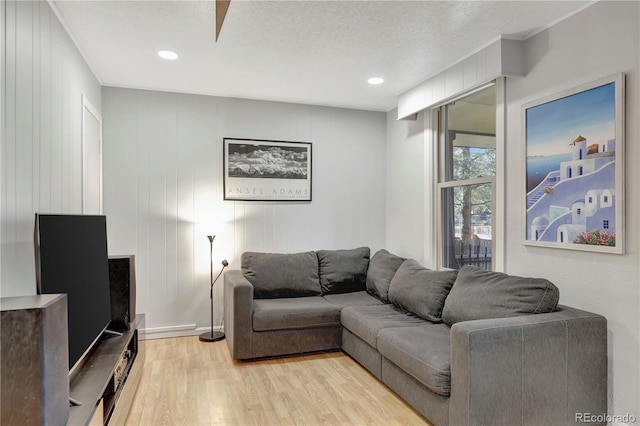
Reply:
x=72 y=258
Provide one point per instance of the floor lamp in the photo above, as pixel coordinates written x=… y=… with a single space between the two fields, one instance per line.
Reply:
x=213 y=336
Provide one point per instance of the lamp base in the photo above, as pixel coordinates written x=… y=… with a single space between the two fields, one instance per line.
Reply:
x=211 y=336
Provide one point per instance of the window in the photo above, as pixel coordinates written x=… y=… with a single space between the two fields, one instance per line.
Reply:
x=605 y=224
x=466 y=187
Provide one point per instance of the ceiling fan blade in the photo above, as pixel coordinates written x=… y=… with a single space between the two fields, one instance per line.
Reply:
x=221 y=11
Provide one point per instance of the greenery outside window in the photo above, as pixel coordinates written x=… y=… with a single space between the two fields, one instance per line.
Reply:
x=466 y=181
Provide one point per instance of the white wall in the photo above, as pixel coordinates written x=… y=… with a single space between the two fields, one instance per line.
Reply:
x=43 y=81
x=601 y=40
x=163 y=177
x=408 y=165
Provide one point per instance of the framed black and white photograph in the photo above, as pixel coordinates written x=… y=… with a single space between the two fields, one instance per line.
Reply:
x=574 y=168
x=265 y=170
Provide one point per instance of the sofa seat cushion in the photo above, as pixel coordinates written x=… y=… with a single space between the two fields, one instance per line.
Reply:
x=423 y=352
x=366 y=321
x=297 y=312
x=355 y=298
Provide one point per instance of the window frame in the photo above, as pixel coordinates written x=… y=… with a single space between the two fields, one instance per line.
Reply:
x=497 y=181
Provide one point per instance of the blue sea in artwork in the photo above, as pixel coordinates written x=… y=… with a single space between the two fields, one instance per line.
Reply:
x=538 y=167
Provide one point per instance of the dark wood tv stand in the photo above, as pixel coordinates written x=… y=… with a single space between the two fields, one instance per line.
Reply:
x=107 y=380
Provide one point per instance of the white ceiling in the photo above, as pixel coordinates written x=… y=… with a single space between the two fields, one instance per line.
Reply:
x=311 y=52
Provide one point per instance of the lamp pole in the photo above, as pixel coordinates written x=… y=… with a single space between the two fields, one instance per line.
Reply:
x=211 y=336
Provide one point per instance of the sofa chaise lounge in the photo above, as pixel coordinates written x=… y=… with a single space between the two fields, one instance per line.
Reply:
x=472 y=347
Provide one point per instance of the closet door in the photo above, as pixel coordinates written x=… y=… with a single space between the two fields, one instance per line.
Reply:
x=91 y=159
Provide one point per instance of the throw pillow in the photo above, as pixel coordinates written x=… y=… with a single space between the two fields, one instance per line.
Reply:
x=343 y=271
x=276 y=275
x=421 y=291
x=481 y=294
x=382 y=268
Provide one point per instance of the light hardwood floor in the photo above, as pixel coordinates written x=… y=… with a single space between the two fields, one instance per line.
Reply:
x=188 y=382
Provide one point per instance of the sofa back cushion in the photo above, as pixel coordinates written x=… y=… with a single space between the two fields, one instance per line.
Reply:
x=482 y=294
x=382 y=268
x=343 y=271
x=275 y=275
x=421 y=291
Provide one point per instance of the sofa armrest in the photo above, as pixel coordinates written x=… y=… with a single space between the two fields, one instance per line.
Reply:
x=535 y=369
x=238 y=313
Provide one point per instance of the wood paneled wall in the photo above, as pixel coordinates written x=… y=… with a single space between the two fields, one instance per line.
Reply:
x=163 y=183
x=43 y=80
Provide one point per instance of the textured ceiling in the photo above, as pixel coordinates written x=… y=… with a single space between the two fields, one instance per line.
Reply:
x=312 y=52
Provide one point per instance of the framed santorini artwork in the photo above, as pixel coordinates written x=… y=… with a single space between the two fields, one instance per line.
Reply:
x=265 y=170
x=574 y=168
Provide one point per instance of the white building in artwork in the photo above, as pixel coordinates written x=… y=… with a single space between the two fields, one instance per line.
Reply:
x=578 y=214
x=586 y=159
x=538 y=226
x=562 y=221
x=597 y=199
x=568 y=233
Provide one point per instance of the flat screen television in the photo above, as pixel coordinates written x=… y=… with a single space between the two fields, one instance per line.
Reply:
x=72 y=258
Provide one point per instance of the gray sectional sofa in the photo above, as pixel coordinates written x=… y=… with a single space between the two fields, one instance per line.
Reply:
x=468 y=347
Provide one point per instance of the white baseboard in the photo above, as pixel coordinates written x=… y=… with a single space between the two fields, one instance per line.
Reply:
x=173 y=331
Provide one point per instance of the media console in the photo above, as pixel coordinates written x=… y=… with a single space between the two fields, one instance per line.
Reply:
x=34 y=363
x=106 y=382
x=36 y=387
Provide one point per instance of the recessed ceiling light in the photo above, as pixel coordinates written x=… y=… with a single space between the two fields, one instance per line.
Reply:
x=168 y=55
x=375 y=80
